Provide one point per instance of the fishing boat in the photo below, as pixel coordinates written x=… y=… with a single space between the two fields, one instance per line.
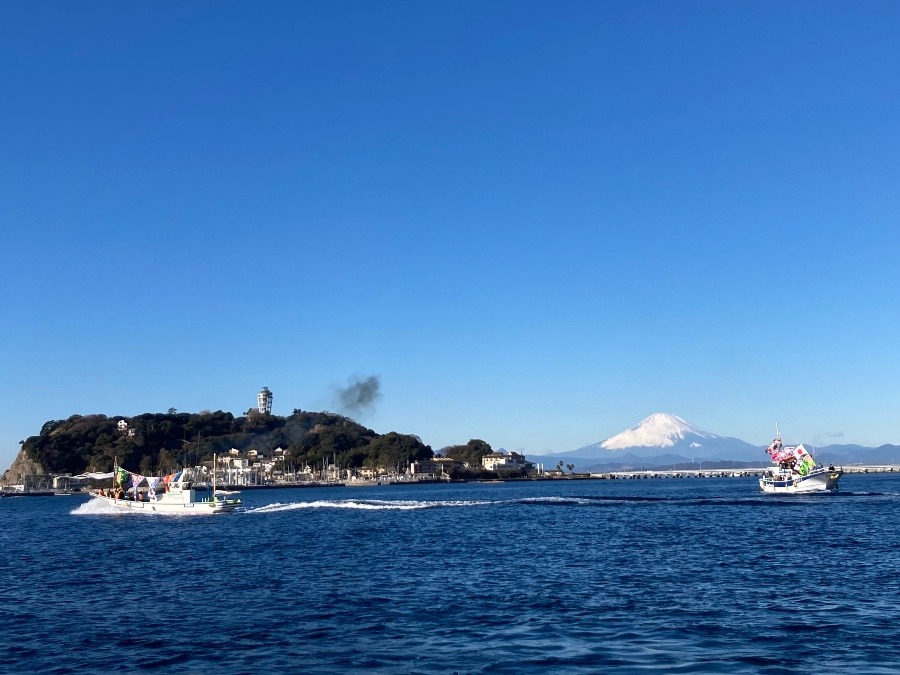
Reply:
x=796 y=470
x=166 y=494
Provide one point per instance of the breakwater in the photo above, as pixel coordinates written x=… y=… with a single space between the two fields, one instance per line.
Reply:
x=727 y=473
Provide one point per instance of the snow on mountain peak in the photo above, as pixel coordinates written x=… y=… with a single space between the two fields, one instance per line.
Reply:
x=660 y=430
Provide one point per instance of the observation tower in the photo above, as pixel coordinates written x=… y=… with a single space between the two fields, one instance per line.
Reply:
x=264 y=401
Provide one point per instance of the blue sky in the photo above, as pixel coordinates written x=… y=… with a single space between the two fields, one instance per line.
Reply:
x=537 y=223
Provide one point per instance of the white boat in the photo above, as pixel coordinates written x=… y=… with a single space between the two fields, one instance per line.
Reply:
x=796 y=471
x=166 y=494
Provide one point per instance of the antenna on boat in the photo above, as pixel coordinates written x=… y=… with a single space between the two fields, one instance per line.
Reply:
x=777 y=433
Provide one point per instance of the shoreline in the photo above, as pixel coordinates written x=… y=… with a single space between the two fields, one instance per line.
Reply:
x=610 y=475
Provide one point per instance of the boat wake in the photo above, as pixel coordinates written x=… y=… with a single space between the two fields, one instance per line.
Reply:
x=555 y=501
x=365 y=505
x=414 y=505
x=844 y=493
x=98 y=507
x=95 y=507
x=573 y=501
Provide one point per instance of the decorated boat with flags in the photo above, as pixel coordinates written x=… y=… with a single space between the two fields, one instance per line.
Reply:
x=174 y=493
x=796 y=470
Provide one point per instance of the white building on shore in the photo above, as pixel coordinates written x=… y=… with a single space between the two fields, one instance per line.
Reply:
x=501 y=461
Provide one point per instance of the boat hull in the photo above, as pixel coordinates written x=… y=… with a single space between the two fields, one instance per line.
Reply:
x=818 y=481
x=171 y=506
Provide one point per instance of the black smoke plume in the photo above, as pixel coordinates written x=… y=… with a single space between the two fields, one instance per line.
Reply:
x=359 y=395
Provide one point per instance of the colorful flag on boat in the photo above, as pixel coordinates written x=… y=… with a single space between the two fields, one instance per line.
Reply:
x=153 y=481
x=780 y=453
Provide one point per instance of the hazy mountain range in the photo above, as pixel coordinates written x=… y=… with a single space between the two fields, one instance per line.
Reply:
x=665 y=440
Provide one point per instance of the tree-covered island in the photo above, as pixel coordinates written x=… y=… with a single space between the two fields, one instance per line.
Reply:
x=160 y=443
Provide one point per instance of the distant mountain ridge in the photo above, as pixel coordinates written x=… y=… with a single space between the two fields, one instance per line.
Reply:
x=858 y=454
x=665 y=440
x=668 y=434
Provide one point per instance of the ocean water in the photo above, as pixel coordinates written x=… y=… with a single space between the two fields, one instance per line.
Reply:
x=689 y=575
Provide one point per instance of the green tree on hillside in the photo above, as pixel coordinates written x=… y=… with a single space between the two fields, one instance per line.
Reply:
x=162 y=442
x=393 y=450
x=471 y=453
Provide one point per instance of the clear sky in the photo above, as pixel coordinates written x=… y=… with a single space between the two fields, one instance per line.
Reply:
x=536 y=222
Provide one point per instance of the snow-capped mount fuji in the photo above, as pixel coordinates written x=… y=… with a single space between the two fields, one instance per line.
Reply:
x=660 y=430
x=664 y=433
x=665 y=440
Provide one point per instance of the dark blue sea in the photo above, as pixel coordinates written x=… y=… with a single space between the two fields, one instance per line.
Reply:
x=588 y=576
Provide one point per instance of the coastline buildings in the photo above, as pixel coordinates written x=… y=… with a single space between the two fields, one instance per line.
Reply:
x=500 y=461
x=124 y=429
x=435 y=467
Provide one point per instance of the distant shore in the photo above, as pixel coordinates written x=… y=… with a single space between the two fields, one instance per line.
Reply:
x=609 y=475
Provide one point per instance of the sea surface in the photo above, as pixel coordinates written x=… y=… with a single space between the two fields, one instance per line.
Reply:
x=587 y=576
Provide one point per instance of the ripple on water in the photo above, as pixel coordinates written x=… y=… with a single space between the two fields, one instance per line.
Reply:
x=567 y=577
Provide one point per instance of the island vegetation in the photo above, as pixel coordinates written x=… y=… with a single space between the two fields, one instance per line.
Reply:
x=158 y=443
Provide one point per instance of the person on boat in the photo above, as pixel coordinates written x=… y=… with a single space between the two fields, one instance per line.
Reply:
x=120 y=493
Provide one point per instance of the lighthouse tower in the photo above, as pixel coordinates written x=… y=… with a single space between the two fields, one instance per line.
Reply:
x=264 y=401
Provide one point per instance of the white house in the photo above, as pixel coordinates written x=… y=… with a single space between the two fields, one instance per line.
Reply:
x=500 y=461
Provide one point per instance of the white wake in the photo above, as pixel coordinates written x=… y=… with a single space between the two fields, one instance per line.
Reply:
x=98 y=507
x=365 y=504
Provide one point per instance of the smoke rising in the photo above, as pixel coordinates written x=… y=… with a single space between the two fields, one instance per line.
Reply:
x=359 y=395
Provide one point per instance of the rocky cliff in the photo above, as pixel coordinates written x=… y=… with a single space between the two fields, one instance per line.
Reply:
x=21 y=466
